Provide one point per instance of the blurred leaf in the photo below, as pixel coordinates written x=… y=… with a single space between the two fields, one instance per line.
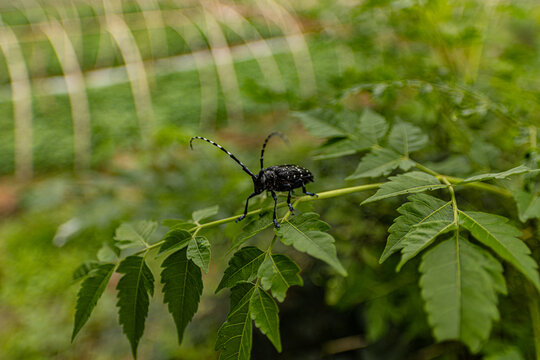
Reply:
x=264 y=312
x=134 y=237
x=198 y=251
x=235 y=335
x=495 y=232
x=199 y=215
x=243 y=266
x=133 y=300
x=380 y=162
x=413 y=182
x=457 y=165
x=337 y=147
x=182 y=288
x=304 y=232
x=175 y=239
x=179 y=224
x=419 y=209
x=406 y=138
x=528 y=205
x=372 y=126
x=91 y=290
x=106 y=254
x=521 y=169
x=459 y=284
x=278 y=273
x=82 y=270
x=508 y=353
x=320 y=124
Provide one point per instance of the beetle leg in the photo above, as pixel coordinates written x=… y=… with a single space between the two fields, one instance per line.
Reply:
x=245 y=209
x=275 y=209
x=307 y=192
x=289 y=202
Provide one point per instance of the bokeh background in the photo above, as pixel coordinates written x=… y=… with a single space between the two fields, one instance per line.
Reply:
x=98 y=100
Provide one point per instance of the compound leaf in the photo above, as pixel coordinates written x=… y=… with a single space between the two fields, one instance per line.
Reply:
x=134 y=289
x=175 y=239
x=528 y=205
x=264 y=311
x=278 y=273
x=198 y=251
x=521 y=169
x=91 y=290
x=182 y=288
x=406 y=138
x=380 y=162
x=372 y=126
x=495 y=232
x=201 y=214
x=235 y=335
x=243 y=266
x=459 y=285
x=305 y=233
x=413 y=182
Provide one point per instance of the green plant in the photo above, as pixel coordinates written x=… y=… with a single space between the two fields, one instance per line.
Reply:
x=462 y=251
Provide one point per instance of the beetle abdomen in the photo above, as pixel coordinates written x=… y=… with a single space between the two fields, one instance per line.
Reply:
x=286 y=177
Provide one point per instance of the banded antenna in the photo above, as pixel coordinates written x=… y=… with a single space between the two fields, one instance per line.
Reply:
x=266 y=141
x=244 y=167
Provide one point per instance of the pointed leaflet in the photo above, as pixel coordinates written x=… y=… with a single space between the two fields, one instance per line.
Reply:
x=235 y=335
x=304 y=232
x=252 y=228
x=175 y=239
x=528 y=205
x=84 y=269
x=320 y=124
x=421 y=208
x=91 y=290
x=199 y=251
x=372 y=126
x=133 y=237
x=495 y=232
x=459 y=284
x=521 y=169
x=337 y=147
x=133 y=300
x=243 y=266
x=198 y=215
x=380 y=162
x=264 y=311
x=278 y=273
x=413 y=182
x=406 y=138
x=182 y=289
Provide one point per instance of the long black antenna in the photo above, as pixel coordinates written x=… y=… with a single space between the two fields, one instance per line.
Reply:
x=266 y=141
x=244 y=167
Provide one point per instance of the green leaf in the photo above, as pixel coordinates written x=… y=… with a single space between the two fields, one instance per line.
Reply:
x=91 y=290
x=182 y=288
x=459 y=284
x=340 y=147
x=84 y=269
x=372 y=126
x=255 y=225
x=264 y=311
x=199 y=251
x=133 y=300
x=243 y=266
x=495 y=232
x=413 y=182
x=304 y=232
x=528 y=205
x=235 y=335
x=107 y=254
x=419 y=209
x=134 y=237
x=521 y=169
x=179 y=224
x=406 y=138
x=318 y=124
x=175 y=239
x=198 y=215
x=380 y=162
x=278 y=273
x=421 y=236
